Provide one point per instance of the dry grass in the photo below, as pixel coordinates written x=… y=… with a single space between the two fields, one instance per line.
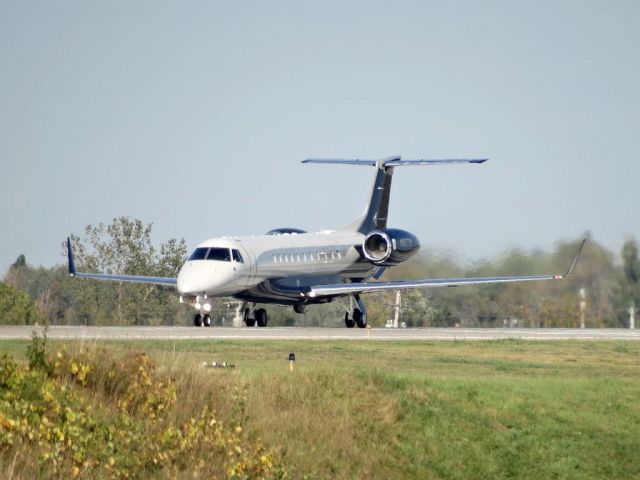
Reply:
x=497 y=409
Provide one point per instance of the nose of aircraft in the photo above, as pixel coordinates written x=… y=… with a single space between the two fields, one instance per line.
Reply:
x=197 y=277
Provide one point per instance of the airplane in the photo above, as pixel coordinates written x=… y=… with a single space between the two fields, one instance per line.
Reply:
x=289 y=266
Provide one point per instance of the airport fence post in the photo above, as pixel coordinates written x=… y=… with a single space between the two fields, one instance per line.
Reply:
x=583 y=306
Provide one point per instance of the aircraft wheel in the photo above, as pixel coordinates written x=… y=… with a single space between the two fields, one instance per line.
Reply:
x=261 y=317
x=206 y=320
x=197 y=320
x=299 y=308
x=248 y=321
x=349 y=322
x=360 y=318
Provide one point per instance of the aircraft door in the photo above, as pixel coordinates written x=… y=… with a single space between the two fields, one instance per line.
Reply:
x=250 y=266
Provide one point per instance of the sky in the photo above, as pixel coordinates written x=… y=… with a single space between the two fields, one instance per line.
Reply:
x=195 y=116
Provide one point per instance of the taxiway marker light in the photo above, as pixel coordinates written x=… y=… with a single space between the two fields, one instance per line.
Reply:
x=292 y=359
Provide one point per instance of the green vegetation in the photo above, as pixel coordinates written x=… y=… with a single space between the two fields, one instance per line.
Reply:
x=16 y=307
x=442 y=410
x=123 y=246
x=93 y=414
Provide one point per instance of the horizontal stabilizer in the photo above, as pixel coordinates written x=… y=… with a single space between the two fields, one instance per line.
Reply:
x=395 y=161
x=446 y=161
x=336 y=161
x=377 y=211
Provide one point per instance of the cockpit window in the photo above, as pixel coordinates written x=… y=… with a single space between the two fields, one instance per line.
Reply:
x=236 y=256
x=220 y=254
x=199 y=254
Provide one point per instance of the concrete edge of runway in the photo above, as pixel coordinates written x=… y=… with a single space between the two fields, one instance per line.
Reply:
x=312 y=333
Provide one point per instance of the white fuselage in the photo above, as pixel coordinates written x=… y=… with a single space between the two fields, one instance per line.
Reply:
x=268 y=257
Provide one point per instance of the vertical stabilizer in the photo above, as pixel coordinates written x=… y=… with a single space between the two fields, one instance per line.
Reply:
x=377 y=211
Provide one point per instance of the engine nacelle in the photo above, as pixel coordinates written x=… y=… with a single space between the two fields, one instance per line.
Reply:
x=389 y=247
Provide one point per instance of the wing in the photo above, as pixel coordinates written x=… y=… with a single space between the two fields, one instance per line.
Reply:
x=367 y=287
x=167 y=281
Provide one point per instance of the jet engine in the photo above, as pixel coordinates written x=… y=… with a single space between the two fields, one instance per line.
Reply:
x=389 y=247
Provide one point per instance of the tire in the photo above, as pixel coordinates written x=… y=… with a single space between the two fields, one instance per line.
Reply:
x=248 y=321
x=206 y=320
x=299 y=308
x=349 y=322
x=197 y=320
x=261 y=317
x=360 y=318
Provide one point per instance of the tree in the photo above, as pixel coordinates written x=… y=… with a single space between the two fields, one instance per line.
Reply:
x=630 y=261
x=628 y=291
x=124 y=247
x=16 y=307
x=21 y=261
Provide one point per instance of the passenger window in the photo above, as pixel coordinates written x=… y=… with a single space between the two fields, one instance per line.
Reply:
x=237 y=257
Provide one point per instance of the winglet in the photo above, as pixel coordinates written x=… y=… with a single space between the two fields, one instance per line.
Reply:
x=573 y=263
x=72 y=265
x=575 y=259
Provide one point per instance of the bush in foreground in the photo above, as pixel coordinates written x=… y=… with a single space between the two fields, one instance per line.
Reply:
x=91 y=415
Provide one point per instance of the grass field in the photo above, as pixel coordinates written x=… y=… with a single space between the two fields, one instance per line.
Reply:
x=450 y=410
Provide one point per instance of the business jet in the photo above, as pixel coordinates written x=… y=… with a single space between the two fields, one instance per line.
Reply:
x=289 y=266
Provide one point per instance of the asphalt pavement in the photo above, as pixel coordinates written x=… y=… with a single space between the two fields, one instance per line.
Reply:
x=312 y=333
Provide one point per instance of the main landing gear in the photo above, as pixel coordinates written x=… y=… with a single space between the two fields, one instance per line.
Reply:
x=258 y=316
x=359 y=316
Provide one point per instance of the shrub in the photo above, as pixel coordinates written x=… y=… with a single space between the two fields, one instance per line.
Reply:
x=94 y=415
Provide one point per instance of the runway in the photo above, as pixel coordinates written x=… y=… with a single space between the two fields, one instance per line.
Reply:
x=312 y=333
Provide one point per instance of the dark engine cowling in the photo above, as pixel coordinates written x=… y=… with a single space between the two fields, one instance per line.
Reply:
x=389 y=247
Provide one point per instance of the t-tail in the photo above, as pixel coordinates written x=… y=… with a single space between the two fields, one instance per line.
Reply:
x=376 y=214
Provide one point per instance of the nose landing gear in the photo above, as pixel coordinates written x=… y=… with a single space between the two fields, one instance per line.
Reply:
x=202 y=320
x=201 y=305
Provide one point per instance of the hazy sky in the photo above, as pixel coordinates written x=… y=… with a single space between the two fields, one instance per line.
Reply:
x=195 y=116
